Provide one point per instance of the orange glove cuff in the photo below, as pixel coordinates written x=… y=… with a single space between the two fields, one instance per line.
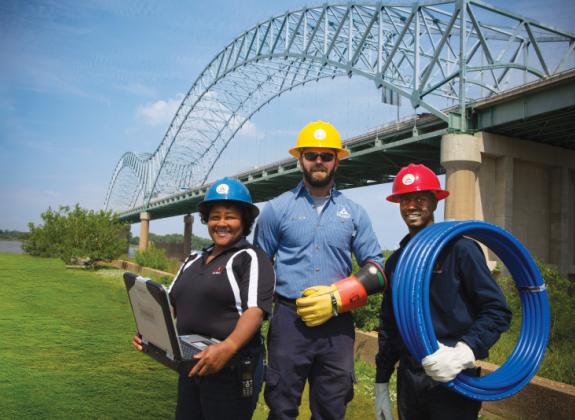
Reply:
x=352 y=293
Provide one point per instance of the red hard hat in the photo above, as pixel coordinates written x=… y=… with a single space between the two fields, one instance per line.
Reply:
x=412 y=178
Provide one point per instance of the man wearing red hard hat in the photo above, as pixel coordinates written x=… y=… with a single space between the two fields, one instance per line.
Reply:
x=467 y=307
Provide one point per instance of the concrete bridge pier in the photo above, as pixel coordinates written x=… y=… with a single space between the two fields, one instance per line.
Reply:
x=527 y=188
x=461 y=157
x=188 y=223
x=144 y=230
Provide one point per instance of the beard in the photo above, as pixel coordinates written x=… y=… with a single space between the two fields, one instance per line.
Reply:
x=318 y=183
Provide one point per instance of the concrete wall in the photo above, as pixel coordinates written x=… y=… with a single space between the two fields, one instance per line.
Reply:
x=529 y=189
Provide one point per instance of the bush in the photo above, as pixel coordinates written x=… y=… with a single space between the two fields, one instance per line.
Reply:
x=559 y=361
x=367 y=317
x=152 y=257
x=77 y=236
x=560 y=292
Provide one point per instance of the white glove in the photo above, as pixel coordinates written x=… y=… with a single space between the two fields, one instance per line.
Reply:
x=382 y=402
x=446 y=363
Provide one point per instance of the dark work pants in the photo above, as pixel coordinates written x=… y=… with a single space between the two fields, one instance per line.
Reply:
x=217 y=396
x=323 y=355
x=421 y=398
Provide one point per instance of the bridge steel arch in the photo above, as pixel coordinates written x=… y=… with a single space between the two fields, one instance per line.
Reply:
x=433 y=54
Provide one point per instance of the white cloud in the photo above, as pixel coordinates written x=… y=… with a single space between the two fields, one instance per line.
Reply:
x=159 y=112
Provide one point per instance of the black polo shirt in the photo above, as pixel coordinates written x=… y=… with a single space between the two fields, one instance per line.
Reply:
x=210 y=298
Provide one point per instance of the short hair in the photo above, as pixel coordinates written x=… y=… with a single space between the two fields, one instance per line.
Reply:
x=247 y=215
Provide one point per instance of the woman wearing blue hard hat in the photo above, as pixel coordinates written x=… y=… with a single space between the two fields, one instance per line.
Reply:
x=224 y=291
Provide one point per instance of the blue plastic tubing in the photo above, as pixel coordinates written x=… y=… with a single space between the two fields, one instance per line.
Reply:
x=413 y=316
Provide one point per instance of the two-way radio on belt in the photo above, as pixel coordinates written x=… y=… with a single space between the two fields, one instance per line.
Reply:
x=413 y=317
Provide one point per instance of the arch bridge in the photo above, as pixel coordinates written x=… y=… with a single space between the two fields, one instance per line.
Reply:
x=454 y=62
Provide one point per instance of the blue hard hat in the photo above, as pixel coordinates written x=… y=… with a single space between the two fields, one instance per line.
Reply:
x=228 y=189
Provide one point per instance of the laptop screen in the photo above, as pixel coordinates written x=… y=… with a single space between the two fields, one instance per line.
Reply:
x=151 y=309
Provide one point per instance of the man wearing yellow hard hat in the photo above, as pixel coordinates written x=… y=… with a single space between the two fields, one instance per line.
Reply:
x=311 y=233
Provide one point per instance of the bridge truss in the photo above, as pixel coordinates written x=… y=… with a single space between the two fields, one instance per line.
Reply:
x=436 y=55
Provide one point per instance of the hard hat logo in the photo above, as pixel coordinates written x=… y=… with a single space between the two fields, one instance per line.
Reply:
x=222 y=189
x=319 y=134
x=408 y=179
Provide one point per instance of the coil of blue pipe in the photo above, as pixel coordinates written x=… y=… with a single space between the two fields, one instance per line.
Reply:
x=410 y=292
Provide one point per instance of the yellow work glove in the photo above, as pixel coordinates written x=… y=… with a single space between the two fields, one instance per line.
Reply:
x=318 y=305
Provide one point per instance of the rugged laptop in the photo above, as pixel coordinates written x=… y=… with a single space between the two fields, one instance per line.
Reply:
x=156 y=325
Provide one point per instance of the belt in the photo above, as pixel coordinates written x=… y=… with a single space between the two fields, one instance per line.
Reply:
x=285 y=301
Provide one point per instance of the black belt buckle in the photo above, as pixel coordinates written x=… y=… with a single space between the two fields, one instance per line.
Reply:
x=246 y=376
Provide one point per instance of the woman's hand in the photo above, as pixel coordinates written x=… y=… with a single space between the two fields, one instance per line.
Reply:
x=213 y=359
x=137 y=343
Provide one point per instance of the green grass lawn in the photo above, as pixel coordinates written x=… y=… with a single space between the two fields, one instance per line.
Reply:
x=65 y=349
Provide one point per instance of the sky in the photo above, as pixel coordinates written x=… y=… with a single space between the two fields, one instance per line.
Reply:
x=82 y=82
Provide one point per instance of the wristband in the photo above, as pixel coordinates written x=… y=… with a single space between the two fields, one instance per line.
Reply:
x=333 y=305
x=234 y=345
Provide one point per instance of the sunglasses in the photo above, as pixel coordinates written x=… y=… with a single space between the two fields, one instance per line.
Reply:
x=325 y=156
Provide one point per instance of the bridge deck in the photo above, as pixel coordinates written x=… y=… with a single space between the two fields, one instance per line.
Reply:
x=542 y=111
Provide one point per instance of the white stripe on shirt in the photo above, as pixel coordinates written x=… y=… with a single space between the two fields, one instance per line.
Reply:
x=252 y=281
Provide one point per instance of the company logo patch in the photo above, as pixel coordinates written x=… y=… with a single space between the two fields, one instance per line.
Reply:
x=218 y=270
x=343 y=213
x=408 y=179
x=223 y=189
x=319 y=134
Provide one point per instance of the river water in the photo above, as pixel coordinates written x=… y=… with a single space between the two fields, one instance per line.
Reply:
x=14 y=247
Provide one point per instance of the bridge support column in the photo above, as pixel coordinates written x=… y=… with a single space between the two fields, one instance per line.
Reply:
x=144 y=230
x=461 y=157
x=188 y=223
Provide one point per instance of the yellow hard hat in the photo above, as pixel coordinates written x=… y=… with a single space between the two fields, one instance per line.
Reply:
x=319 y=134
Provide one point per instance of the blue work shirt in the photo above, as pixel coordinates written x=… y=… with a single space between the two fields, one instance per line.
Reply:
x=311 y=249
x=465 y=302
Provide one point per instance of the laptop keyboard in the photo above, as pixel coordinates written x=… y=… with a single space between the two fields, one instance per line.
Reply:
x=187 y=350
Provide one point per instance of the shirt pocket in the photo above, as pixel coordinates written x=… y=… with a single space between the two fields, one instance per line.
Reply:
x=339 y=234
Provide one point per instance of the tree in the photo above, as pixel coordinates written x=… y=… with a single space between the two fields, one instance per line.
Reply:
x=13 y=235
x=78 y=235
